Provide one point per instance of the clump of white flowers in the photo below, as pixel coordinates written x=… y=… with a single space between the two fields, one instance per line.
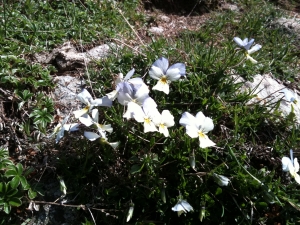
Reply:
x=291 y=165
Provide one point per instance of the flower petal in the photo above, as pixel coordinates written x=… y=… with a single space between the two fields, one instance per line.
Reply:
x=91 y=135
x=296 y=165
x=254 y=49
x=129 y=74
x=179 y=66
x=79 y=113
x=187 y=119
x=192 y=131
x=167 y=118
x=239 y=41
x=134 y=111
x=285 y=163
x=205 y=141
x=173 y=74
x=156 y=72
x=85 y=97
x=297 y=178
x=104 y=101
x=162 y=63
x=86 y=120
x=95 y=115
x=149 y=126
x=60 y=135
x=163 y=130
x=112 y=95
x=162 y=86
x=247 y=45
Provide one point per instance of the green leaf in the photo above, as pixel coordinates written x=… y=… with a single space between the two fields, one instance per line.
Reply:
x=6 y=208
x=11 y=173
x=135 y=169
x=15 y=182
x=20 y=168
x=12 y=192
x=31 y=194
x=15 y=201
x=218 y=191
x=24 y=183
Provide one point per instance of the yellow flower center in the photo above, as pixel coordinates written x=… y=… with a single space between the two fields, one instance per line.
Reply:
x=147 y=120
x=163 y=79
x=162 y=125
x=201 y=134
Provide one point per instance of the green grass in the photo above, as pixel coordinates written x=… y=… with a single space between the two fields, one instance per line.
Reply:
x=251 y=140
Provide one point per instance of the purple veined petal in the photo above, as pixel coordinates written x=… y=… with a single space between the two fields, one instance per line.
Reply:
x=162 y=63
x=91 y=135
x=129 y=74
x=125 y=87
x=95 y=115
x=187 y=119
x=137 y=82
x=180 y=66
x=248 y=44
x=85 y=97
x=173 y=74
x=156 y=72
x=238 y=41
x=124 y=98
x=104 y=101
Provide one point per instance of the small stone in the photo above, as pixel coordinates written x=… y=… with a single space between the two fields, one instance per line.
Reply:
x=156 y=30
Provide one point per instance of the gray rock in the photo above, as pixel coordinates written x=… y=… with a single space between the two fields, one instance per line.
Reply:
x=268 y=92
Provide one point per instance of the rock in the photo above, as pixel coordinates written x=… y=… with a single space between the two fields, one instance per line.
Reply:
x=268 y=92
x=292 y=25
x=164 y=18
x=65 y=93
x=66 y=57
x=230 y=7
x=156 y=30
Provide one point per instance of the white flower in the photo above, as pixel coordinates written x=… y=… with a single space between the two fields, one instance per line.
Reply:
x=182 y=206
x=221 y=180
x=146 y=114
x=60 y=129
x=290 y=96
x=93 y=137
x=88 y=121
x=114 y=94
x=163 y=121
x=85 y=97
x=161 y=71
x=198 y=126
x=291 y=165
x=130 y=212
x=245 y=44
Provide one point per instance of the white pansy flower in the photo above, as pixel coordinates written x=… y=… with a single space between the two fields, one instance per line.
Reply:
x=60 y=129
x=198 y=126
x=291 y=165
x=245 y=44
x=182 y=206
x=93 y=137
x=114 y=94
x=85 y=97
x=221 y=180
x=146 y=114
x=88 y=121
x=163 y=121
x=161 y=71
